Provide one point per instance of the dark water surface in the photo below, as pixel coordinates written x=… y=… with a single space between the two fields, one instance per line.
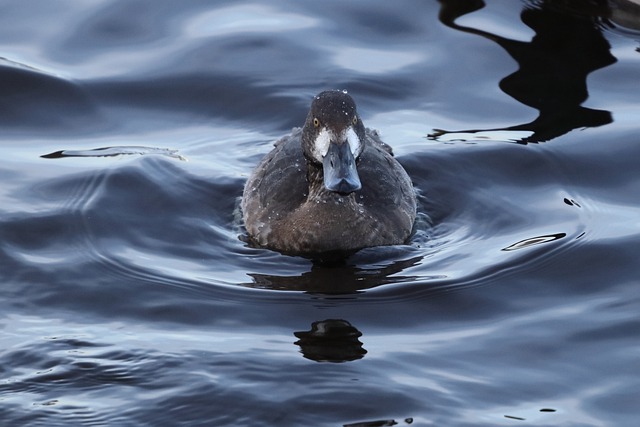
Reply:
x=129 y=127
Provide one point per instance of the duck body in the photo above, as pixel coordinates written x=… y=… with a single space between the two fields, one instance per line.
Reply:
x=308 y=197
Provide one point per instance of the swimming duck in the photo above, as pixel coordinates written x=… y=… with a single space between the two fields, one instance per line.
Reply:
x=331 y=186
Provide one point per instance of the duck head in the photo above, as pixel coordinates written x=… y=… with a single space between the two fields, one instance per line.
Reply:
x=333 y=139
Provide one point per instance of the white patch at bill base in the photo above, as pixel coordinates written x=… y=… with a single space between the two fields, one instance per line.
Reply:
x=321 y=144
x=353 y=139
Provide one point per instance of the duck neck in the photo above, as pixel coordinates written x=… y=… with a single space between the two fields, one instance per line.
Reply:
x=315 y=180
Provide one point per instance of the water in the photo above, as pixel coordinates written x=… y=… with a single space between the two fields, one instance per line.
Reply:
x=128 y=298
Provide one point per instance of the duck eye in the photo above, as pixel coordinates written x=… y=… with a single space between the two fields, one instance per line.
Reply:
x=355 y=120
x=316 y=122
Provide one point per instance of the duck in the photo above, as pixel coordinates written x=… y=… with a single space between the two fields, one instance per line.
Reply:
x=329 y=187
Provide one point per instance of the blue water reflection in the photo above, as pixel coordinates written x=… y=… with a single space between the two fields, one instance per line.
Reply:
x=553 y=67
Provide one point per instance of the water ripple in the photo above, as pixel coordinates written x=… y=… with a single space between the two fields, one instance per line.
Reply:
x=128 y=297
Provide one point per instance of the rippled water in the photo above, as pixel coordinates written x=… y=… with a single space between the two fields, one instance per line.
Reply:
x=128 y=298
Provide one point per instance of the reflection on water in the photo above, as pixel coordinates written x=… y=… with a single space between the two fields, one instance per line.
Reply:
x=378 y=423
x=331 y=340
x=534 y=241
x=553 y=66
x=337 y=279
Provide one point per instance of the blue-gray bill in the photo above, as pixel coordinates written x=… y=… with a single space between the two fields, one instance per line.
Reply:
x=339 y=168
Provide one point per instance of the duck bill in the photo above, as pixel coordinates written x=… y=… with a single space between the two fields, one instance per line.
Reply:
x=339 y=167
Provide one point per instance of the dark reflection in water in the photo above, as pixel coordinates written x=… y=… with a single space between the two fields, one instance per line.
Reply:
x=518 y=418
x=331 y=340
x=336 y=279
x=378 y=423
x=534 y=241
x=553 y=66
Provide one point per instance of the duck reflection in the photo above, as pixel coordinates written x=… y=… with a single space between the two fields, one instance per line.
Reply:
x=331 y=340
x=553 y=67
x=337 y=279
